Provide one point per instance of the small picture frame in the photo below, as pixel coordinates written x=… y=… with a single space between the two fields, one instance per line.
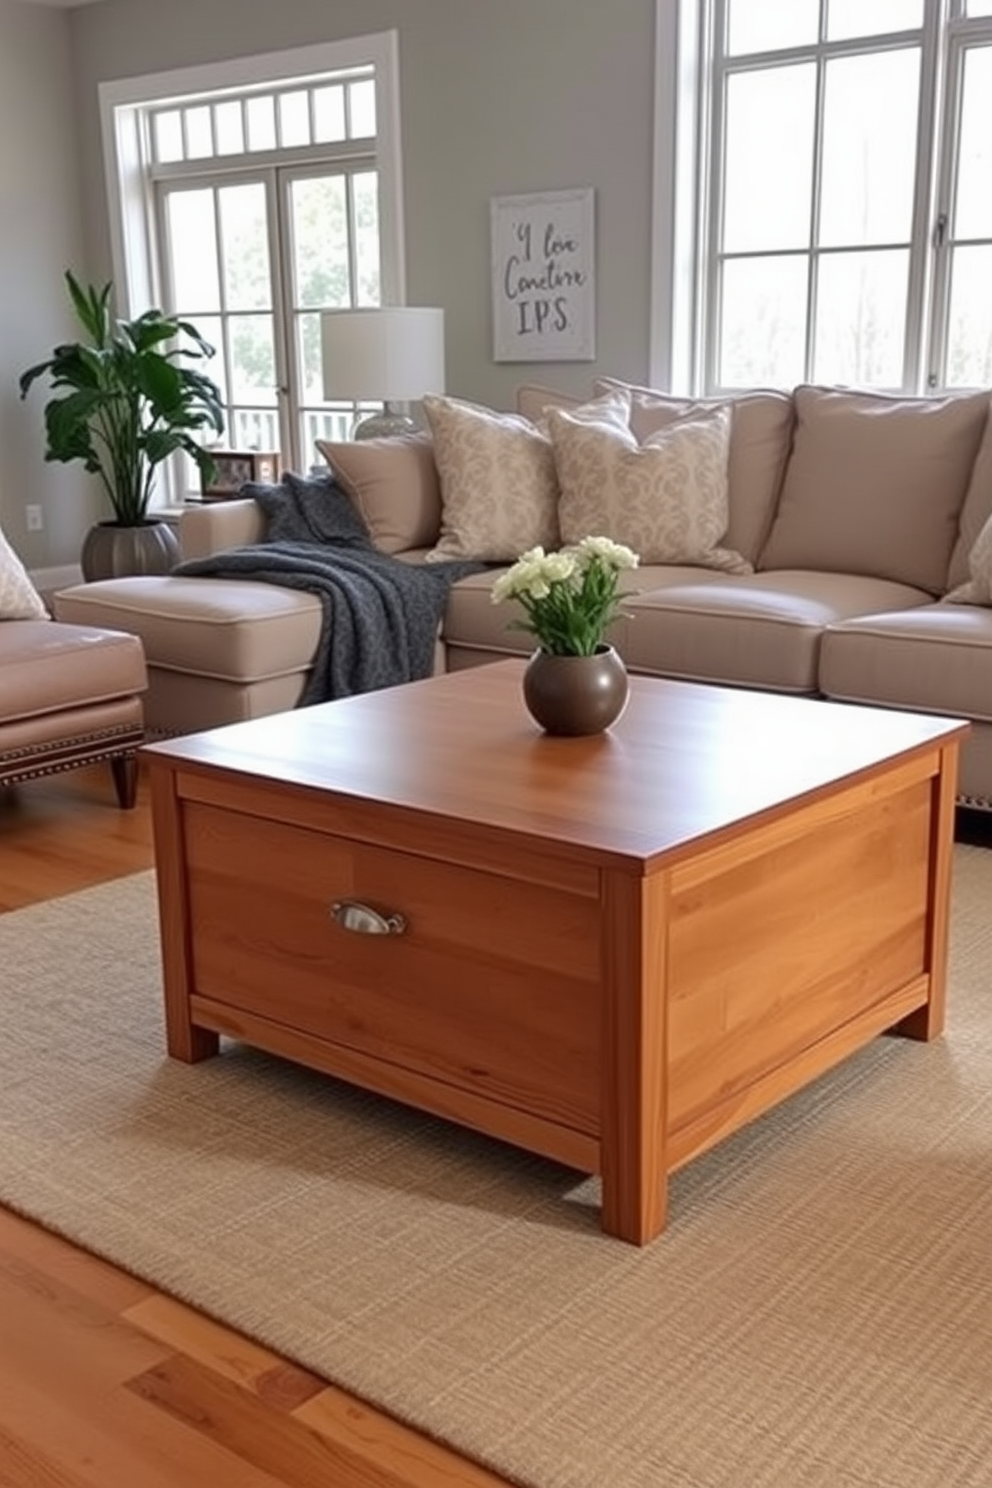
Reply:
x=234 y=467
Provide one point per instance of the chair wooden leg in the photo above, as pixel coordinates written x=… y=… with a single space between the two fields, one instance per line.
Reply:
x=125 y=772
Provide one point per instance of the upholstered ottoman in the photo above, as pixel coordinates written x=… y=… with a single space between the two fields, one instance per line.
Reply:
x=218 y=651
x=70 y=695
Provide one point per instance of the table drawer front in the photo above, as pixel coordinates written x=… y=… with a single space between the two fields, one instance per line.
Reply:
x=492 y=986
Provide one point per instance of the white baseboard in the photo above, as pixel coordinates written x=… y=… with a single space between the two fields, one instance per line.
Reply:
x=59 y=576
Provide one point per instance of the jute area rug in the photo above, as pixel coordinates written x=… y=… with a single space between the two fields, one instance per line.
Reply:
x=817 y=1315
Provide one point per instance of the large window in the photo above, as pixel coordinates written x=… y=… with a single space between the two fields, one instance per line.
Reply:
x=247 y=201
x=834 y=218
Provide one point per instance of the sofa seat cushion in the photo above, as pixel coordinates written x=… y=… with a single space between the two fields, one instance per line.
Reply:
x=47 y=668
x=472 y=621
x=222 y=628
x=937 y=659
x=754 y=630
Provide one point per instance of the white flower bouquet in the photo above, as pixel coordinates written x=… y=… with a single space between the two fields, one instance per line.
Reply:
x=570 y=597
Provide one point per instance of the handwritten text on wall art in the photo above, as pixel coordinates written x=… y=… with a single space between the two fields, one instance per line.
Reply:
x=543 y=268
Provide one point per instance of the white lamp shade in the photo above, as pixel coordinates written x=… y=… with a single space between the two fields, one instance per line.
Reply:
x=393 y=354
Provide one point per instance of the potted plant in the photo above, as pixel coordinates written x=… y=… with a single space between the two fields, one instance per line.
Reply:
x=575 y=683
x=126 y=400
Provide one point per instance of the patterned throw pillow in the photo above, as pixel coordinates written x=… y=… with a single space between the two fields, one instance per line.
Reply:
x=19 y=599
x=978 y=589
x=499 y=489
x=665 y=498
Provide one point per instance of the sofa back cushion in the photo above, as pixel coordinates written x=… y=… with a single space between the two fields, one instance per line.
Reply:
x=976 y=510
x=394 y=484
x=760 y=440
x=533 y=400
x=665 y=498
x=875 y=484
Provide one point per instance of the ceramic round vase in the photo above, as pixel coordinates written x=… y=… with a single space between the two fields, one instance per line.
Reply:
x=112 y=551
x=575 y=694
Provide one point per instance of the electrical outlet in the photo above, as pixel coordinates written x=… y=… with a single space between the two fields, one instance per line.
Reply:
x=36 y=521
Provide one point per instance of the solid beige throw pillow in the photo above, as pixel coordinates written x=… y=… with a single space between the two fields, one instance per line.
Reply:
x=665 y=498
x=393 y=482
x=19 y=599
x=499 y=488
x=978 y=589
x=875 y=484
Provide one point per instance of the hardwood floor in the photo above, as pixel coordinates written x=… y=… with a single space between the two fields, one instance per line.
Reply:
x=106 y=1383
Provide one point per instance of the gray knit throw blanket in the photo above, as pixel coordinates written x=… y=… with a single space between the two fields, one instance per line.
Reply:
x=380 y=615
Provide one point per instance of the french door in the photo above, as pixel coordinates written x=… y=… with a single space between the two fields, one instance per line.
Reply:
x=251 y=257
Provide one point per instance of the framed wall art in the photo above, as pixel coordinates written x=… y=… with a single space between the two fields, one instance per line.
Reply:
x=543 y=277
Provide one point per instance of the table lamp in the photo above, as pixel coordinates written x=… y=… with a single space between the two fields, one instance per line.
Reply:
x=391 y=354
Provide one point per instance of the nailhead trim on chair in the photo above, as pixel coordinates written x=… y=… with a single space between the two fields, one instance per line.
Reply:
x=107 y=741
x=34 y=761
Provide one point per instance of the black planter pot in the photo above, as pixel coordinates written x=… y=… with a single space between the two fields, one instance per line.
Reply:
x=112 y=551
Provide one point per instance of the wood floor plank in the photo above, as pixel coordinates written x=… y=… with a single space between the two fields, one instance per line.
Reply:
x=109 y=1439
x=234 y=1418
x=58 y=1336
x=92 y=1277
x=407 y=1455
x=282 y=1385
x=59 y=835
x=24 y=1465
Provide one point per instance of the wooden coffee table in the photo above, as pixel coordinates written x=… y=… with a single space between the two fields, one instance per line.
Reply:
x=613 y=951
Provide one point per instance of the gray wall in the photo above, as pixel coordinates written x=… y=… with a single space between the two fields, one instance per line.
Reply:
x=497 y=97
x=41 y=234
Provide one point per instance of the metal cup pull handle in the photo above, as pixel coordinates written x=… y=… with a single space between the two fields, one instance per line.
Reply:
x=364 y=920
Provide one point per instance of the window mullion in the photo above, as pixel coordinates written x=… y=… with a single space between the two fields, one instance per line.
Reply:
x=288 y=390
x=816 y=197
x=710 y=230
x=923 y=352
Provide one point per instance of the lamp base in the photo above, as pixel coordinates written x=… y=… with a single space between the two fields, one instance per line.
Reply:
x=384 y=425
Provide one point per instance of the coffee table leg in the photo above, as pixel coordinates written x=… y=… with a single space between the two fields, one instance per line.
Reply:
x=632 y=1133
x=184 y=1039
x=927 y=1022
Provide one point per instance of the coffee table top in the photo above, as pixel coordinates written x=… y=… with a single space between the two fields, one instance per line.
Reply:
x=683 y=762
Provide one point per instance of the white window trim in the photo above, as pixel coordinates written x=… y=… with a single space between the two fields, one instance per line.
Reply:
x=130 y=208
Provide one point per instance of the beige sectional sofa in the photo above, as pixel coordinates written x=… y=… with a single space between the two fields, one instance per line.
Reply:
x=824 y=542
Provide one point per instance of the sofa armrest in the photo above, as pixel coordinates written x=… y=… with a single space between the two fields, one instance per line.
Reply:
x=223 y=524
